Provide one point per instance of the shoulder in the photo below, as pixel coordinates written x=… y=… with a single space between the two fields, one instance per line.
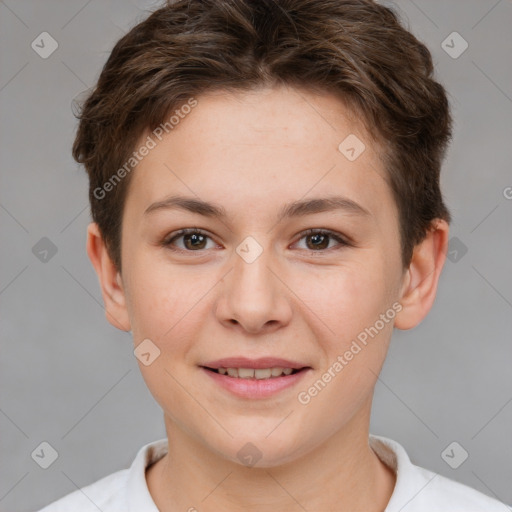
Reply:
x=441 y=493
x=122 y=491
x=419 y=490
x=106 y=494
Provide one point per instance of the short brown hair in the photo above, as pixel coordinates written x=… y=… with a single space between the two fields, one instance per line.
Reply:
x=356 y=49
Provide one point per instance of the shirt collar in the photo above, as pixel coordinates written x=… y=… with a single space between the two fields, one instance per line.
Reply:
x=138 y=496
x=409 y=479
x=389 y=452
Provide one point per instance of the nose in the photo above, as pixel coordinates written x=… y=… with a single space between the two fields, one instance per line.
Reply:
x=254 y=296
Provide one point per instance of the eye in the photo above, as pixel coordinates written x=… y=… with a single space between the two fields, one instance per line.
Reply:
x=193 y=240
x=320 y=238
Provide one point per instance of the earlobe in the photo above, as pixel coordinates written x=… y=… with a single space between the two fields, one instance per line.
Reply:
x=422 y=276
x=110 y=279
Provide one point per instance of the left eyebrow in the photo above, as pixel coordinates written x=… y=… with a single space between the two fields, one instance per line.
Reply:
x=324 y=204
x=295 y=209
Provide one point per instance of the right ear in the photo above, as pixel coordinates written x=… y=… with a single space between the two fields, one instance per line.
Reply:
x=111 y=283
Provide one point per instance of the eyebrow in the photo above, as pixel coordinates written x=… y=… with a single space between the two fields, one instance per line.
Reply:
x=295 y=209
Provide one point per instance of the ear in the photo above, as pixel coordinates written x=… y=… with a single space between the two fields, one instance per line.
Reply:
x=110 y=279
x=421 y=278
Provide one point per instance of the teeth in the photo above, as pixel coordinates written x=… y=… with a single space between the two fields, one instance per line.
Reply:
x=263 y=373
x=245 y=373
x=251 y=373
x=232 y=372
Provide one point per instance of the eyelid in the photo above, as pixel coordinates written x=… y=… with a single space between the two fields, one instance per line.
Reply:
x=184 y=231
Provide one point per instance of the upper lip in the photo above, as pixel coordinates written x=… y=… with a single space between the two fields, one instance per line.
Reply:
x=262 y=362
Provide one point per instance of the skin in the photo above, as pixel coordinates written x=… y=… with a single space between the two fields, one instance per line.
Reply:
x=252 y=153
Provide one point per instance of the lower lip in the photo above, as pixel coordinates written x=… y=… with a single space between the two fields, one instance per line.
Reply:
x=256 y=388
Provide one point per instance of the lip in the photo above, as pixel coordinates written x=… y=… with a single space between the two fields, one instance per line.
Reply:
x=255 y=388
x=262 y=362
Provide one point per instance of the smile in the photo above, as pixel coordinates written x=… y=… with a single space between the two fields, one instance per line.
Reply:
x=254 y=373
x=255 y=383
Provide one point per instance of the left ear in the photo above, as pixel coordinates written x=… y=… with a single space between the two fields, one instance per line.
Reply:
x=421 y=278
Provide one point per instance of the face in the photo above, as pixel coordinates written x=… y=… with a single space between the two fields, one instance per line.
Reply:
x=269 y=274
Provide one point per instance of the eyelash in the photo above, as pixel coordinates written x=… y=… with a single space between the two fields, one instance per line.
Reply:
x=167 y=242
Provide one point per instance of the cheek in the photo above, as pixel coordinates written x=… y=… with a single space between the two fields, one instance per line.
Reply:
x=169 y=304
x=350 y=304
x=354 y=345
x=347 y=298
x=157 y=300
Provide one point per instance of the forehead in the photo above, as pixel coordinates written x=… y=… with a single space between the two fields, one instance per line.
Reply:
x=261 y=148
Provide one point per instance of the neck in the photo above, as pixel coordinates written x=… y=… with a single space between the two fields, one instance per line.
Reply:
x=342 y=474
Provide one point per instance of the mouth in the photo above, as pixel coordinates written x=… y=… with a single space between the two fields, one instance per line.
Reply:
x=255 y=373
x=255 y=378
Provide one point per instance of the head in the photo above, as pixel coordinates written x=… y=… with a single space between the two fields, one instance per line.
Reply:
x=248 y=109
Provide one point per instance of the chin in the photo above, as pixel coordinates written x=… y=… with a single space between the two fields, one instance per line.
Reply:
x=256 y=448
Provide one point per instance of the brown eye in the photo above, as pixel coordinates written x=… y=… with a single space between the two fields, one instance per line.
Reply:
x=193 y=240
x=319 y=240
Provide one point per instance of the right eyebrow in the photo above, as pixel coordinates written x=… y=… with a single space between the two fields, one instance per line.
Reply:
x=190 y=204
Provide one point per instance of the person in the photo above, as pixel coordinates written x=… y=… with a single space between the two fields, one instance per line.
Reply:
x=264 y=187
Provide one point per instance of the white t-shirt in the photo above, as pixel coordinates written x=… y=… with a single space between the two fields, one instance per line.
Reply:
x=416 y=489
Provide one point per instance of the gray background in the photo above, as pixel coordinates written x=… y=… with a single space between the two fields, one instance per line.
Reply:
x=69 y=378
